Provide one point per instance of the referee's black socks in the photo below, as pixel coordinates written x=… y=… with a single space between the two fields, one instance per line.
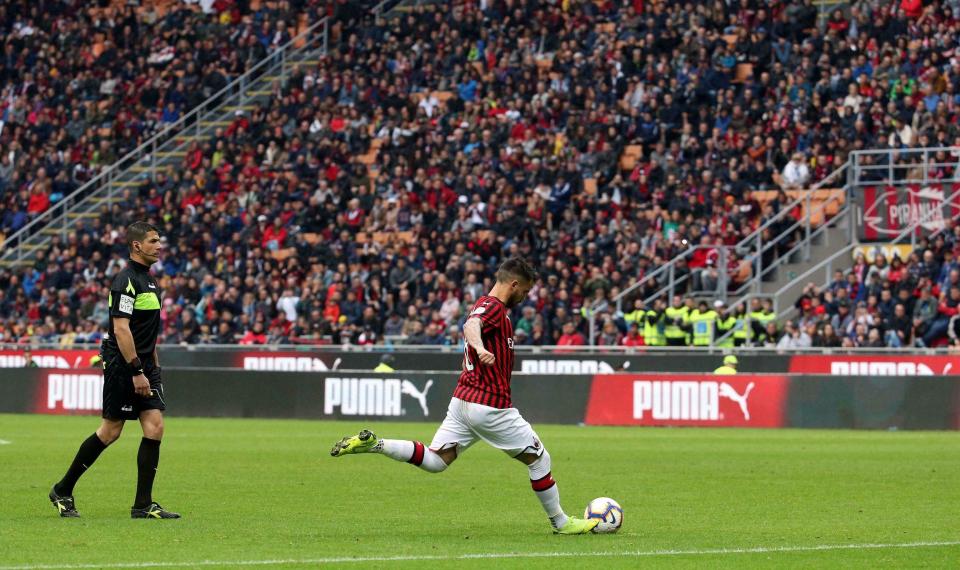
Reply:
x=147 y=460
x=89 y=451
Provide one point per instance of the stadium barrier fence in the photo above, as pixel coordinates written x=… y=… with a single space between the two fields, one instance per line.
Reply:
x=541 y=361
x=664 y=399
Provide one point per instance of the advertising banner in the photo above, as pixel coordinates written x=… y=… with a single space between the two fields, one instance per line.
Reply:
x=323 y=395
x=876 y=365
x=78 y=359
x=874 y=402
x=764 y=401
x=687 y=400
x=69 y=393
x=886 y=211
x=887 y=250
x=546 y=363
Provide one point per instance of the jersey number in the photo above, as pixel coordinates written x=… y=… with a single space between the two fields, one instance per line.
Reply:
x=466 y=357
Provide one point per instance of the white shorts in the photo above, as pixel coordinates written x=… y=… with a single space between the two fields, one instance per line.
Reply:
x=504 y=429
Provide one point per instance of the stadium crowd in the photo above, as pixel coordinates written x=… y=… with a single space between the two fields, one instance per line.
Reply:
x=372 y=194
x=82 y=84
x=909 y=300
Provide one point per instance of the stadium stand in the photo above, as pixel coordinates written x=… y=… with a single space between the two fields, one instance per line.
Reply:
x=912 y=299
x=370 y=197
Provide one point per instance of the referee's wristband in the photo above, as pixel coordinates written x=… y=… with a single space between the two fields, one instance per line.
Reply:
x=135 y=366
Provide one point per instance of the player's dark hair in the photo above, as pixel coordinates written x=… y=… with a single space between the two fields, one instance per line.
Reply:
x=516 y=268
x=137 y=231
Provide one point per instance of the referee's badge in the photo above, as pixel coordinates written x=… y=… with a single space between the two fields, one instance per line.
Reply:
x=126 y=304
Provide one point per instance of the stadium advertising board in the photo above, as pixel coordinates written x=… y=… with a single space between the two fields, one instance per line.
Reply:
x=546 y=363
x=69 y=393
x=876 y=365
x=887 y=250
x=854 y=402
x=886 y=211
x=271 y=361
x=63 y=359
x=687 y=400
x=874 y=402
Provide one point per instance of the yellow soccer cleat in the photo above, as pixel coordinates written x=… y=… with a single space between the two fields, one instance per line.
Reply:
x=577 y=526
x=363 y=442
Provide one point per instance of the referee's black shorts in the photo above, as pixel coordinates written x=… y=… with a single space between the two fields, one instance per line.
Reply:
x=120 y=402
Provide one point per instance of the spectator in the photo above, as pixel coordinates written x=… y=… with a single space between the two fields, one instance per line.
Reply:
x=254 y=335
x=570 y=336
x=796 y=173
x=604 y=162
x=794 y=338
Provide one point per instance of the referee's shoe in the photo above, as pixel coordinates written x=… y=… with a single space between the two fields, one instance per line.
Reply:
x=154 y=511
x=64 y=504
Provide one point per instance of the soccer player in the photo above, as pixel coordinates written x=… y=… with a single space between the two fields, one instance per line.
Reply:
x=481 y=407
x=132 y=387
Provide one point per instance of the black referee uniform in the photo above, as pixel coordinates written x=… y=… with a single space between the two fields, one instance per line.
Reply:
x=134 y=295
x=134 y=301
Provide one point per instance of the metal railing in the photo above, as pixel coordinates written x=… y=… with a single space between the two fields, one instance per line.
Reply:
x=314 y=40
x=844 y=211
x=894 y=167
x=904 y=166
x=833 y=262
x=234 y=92
x=753 y=243
x=523 y=350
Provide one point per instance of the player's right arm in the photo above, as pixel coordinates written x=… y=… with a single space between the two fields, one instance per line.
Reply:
x=473 y=334
x=122 y=298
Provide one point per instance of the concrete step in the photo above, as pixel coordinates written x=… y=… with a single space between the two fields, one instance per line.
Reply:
x=106 y=199
x=786 y=277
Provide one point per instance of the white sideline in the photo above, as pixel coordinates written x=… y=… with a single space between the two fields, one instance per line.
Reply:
x=484 y=556
x=5 y=442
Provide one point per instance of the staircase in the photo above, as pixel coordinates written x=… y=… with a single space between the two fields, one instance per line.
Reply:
x=828 y=230
x=784 y=286
x=167 y=149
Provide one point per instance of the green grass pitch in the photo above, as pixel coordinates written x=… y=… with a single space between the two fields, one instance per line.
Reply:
x=267 y=494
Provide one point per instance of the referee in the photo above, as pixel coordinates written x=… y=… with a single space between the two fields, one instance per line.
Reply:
x=131 y=377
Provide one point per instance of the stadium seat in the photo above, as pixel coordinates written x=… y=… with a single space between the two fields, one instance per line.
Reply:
x=743 y=72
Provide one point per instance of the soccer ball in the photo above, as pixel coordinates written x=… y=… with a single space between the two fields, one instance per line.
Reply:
x=608 y=512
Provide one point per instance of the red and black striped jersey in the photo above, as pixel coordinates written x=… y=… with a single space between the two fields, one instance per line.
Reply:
x=488 y=385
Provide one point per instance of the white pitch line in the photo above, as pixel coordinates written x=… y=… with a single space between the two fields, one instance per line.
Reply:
x=5 y=442
x=488 y=556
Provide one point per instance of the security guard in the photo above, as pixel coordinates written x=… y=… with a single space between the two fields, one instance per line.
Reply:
x=741 y=332
x=730 y=363
x=386 y=362
x=725 y=323
x=132 y=387
x=637 y=315
x=653 y=325
x=760 y=318
x=703 y=324
x=677 y=320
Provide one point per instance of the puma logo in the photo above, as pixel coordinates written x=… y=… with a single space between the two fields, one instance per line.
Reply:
x=727 y=391
x=407 y=387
